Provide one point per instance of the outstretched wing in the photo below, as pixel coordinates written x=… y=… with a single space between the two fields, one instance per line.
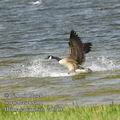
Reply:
x=76 y=48
x=87 y=47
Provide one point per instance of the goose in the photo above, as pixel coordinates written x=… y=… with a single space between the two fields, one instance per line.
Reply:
x=76 y=56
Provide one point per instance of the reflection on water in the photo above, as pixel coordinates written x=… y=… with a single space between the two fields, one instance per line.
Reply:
x=31 y=30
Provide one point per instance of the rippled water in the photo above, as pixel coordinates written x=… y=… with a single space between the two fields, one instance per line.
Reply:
x=31 y=30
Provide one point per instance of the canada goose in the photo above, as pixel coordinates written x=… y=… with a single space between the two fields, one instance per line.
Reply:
x=76 y=56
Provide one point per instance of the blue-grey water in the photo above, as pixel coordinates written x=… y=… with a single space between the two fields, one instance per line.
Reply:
x=30 y=30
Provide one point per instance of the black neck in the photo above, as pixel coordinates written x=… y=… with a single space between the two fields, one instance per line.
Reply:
x=57 y=58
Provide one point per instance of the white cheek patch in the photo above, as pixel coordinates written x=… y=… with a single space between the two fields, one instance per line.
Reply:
x=50 y=57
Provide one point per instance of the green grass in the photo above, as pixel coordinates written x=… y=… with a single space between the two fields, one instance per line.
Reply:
x=47 y=112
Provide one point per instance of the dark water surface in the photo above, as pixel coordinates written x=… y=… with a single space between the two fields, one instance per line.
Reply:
x=31 y=30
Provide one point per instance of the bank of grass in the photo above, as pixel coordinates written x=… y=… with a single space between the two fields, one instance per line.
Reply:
x=96 y=112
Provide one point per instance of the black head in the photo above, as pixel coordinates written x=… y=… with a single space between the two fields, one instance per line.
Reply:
x=49 y=57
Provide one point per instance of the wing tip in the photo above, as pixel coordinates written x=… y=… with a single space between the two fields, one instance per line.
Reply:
x=73 y=34
x=87 y=47
x=73 y=31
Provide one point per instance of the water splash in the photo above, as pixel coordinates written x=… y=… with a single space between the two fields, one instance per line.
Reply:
x=40 y=68
x=103 y=64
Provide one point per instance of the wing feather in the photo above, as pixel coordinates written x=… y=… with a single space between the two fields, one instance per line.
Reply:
x=76 y=48
x=87 y=47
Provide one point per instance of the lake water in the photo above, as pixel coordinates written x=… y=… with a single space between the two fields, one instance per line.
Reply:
x=31 y=30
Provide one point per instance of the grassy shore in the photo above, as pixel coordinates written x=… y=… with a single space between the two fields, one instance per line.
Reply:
x=45 y=112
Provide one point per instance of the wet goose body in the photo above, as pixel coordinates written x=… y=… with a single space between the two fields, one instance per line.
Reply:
x=76 y=56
